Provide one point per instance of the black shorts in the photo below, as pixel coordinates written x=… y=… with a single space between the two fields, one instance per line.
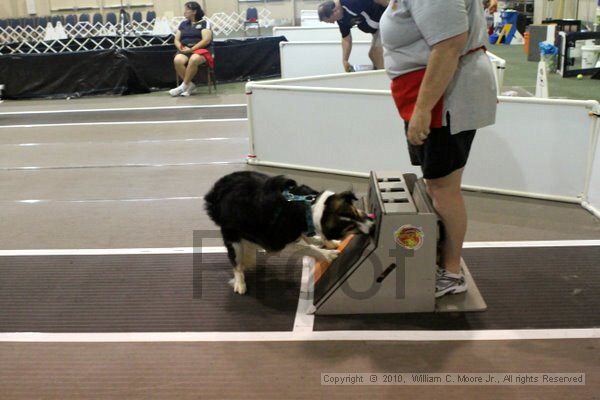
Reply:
x=441 y=153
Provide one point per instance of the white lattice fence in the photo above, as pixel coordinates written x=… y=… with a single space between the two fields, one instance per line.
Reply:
x=19 y=34
x=69 y=37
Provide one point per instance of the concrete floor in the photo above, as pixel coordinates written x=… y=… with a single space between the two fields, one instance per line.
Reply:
x=89 y=196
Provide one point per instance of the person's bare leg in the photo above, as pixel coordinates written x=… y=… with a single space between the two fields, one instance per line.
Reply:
x=449 y=203
x=192 y=68
x=180 y=62
x=376 y=56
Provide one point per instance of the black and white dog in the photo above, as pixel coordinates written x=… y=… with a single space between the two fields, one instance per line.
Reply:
x=255 y=210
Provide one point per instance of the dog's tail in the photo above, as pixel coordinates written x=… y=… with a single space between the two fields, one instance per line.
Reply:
x=212 y=201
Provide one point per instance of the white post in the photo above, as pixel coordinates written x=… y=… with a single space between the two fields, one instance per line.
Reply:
x=541 y=85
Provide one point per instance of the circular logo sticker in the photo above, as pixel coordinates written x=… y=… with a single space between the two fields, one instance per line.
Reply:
x=410 y=237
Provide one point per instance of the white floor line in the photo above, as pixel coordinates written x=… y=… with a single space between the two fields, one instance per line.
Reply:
x=412 y=336
x=305 y=320
x=190 y=164
x=102 y=252
x=169 y=250
x=133 y=200
x=129 y=142
x=188 y=121
x=534 y=243
x=84 y=110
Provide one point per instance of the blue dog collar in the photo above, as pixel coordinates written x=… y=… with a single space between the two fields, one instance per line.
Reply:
x=308 y=200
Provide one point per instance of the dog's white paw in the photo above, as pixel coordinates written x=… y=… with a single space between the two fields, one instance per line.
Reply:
x=330 y=255
x=332 y=244
x=238 y=282
x=239 y=286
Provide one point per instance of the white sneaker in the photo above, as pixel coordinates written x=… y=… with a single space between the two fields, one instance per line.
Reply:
x=449 y=283
x=188 y=90
x=178 y=90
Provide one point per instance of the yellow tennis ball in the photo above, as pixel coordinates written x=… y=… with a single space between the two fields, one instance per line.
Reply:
x=580 y=76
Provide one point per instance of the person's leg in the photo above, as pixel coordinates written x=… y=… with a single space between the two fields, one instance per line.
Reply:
x=192 y=68
x=376 y=56
x=180 y=62
x=449 y=203
x=376 y=51
x=190 y=73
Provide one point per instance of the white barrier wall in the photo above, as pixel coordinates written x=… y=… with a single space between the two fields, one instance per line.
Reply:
x=593 y=195
x=310 y=18
x=538 y=147
x=499 y=68
x=326 y=130
x=360 y=80
x=326 y=33
x=319 y=58
x=306 y=58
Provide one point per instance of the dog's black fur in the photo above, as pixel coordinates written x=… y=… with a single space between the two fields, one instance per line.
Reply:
x=249 y=205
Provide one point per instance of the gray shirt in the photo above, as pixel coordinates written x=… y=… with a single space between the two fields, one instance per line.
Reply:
x=410 y=28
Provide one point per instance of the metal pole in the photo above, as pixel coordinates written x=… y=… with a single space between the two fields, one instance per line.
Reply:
x=293 y=12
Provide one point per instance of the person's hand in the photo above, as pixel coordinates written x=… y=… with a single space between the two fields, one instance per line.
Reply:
x=493 y=6
x=347 y=66
x=186 y=50
x=418 y=127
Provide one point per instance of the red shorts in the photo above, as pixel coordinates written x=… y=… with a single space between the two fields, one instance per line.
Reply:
x=206 y=54
x=405 y=90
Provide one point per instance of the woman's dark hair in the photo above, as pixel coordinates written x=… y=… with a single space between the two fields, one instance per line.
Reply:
x=194 y=6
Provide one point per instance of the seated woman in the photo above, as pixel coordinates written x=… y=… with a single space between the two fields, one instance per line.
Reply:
x=193 y=41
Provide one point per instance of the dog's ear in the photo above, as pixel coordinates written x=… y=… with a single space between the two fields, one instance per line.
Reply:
x=348 y=196
x=280 y=183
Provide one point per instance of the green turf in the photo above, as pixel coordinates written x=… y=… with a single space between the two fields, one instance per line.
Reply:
x=521 y=74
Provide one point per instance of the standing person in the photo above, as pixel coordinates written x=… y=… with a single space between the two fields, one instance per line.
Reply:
x=444 y=88
x=193 y=41
x=365 y=14
x=491 y=6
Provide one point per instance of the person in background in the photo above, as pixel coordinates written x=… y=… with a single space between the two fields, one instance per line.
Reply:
x=491 y=6
x=364 y=14
x=193 y=41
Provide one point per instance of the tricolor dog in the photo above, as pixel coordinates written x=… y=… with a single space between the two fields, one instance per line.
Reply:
x=255 y=210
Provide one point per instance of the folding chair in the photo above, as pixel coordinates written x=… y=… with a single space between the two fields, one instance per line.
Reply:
x=71 y=19
x=43 y=21
x=57 y=18
x=97 y=19
x=252 y=20
x=112 y=18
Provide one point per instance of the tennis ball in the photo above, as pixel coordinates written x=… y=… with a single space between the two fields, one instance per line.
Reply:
x=580 y=76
